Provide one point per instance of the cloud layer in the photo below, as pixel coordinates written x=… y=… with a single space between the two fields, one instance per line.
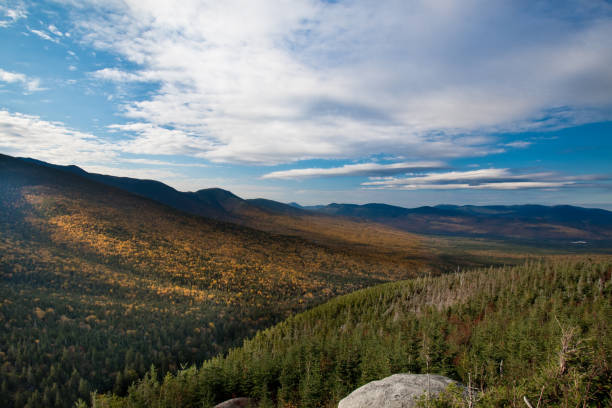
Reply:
x=483 y=179
x=31 y=136
x=10 y=12
x=423 y=83
x=354 y=170
x=30 y=84
x=277 y=82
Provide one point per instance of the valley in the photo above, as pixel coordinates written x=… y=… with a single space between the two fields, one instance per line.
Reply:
x=305 y=204
x=100 y=284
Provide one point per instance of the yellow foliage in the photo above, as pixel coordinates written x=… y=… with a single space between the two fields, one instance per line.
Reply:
x=39 y=313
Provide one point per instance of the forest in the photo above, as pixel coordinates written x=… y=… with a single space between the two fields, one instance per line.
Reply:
x=101 y=289
x=540 y=330
x=97 y=284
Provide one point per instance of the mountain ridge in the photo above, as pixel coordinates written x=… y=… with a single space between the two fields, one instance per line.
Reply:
x=212 y=202
x=525 y=221
x=531 y=221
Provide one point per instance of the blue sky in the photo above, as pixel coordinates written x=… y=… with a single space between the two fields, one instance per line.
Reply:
x=409 y=103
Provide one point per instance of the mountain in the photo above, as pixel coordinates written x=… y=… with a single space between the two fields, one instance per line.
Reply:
x=213 y=203
x=364 y=211
x=261 y=214
x=97 y=283
x=275 y=207
x=541 y=330
x=527 y=222
x=536 y=223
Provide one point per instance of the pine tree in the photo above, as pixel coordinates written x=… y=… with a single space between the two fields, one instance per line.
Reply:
x=374 y=363
x=83 y=389
x=265 y=401
x=310 y=386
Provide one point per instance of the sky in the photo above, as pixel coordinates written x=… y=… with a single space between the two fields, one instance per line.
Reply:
x=403 y=102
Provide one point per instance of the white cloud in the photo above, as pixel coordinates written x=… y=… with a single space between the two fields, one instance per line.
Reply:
x=435 y=178
x=30 y=84
x=33 y=85
x=353 y=170
x=31 y=136
x=483 y=179
x=519 y=144
x=153 y=162
x=53 y=29
x=275 y=82
x=517 y=185
x=12 y=11
x=153 y=139
x=116 y=75
x=44 y=35
x=11 y=77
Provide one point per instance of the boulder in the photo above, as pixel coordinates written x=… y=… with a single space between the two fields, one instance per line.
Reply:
x=235 y=403
x=396 y=391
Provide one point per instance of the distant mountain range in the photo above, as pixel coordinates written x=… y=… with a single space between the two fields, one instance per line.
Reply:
x=515 y=221
x=215 y=204
x=531 y=222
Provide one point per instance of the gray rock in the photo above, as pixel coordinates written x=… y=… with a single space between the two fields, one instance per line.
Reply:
x=396 y=391
x=235 y=403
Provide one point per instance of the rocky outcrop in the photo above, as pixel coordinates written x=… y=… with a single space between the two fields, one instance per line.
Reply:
x=396 y=391
x=236 y=403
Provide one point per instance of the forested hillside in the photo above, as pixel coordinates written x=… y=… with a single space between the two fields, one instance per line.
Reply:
x=371 y=223
x=97 y=284
x=261 y=214
x=536 y=223
x=541 y=330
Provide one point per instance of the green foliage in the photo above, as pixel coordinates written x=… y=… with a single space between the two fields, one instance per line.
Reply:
x=452 y=397
x=541 y=330
x=97 y=284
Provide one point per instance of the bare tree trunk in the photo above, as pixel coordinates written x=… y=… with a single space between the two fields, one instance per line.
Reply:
x=470 y=400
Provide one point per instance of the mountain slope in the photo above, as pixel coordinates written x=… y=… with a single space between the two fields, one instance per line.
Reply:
x=543 y=330
x=535 y=223
x=96 y=283
x=213 y=203
x=528 y=222
x=262 y=214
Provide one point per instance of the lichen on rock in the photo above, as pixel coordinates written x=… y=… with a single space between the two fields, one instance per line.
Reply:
x=396 y=391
